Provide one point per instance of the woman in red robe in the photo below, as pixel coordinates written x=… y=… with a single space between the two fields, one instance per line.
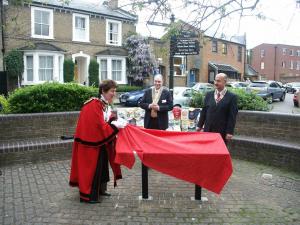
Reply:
x=94 y=145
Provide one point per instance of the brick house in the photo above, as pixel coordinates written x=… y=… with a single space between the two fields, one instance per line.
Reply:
x=216 y=55
x=277 y=62
x=49 y=32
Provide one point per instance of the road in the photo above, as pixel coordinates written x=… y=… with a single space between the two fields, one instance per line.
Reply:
x=285 y=107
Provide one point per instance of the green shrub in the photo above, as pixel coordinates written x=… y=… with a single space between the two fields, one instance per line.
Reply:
x=14 y=64
x=50 y=97
x=68 y=70
x=94 y=73
x=197 y=100
x=127 y=88
x=246 y=101
x=250 y=101
x=3 y=105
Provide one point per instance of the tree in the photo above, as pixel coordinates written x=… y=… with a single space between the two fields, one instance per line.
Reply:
x=68 y=70
x=202 y=14
x=141 y=61
x=14 y=64
x=94 y=73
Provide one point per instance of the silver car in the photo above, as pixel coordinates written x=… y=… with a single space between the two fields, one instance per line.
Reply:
x=182 y=96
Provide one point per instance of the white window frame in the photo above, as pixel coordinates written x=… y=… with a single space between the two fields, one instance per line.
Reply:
x=33 y=35
x=119 y=43
x=262 y=53
x=292 y=65
x=183 y=60
x=58 y=59
x=298 y=65
x=291 y=52
x=283 y=64
x=109 y=67
x=262 y=65
x=298 y=52
x=87 y=27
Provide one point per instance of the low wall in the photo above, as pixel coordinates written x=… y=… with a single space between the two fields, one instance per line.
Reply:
x=270 y=138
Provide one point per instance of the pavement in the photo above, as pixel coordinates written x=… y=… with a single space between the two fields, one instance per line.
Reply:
x=37 y=192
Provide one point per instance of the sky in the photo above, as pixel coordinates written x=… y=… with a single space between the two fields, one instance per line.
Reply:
x=280 y=26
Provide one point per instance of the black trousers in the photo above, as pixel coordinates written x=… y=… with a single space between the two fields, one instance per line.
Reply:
x=153 y=123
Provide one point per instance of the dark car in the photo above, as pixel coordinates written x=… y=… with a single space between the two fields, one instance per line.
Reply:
x=132 y=98
x=292 y=87
x=268 y=90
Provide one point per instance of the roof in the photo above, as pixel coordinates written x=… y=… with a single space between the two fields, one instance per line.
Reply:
x=223 y=67
x=250 y=71
x=86 y=7
x=42 y=46
x=114 y=51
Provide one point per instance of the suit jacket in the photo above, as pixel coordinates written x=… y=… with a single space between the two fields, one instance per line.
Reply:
x=165 y=104
x=221 y=117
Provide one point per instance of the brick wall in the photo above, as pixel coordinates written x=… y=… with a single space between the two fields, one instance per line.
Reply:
x=20 y=127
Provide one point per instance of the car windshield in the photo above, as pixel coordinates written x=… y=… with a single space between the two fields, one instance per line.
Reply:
x=258 y=85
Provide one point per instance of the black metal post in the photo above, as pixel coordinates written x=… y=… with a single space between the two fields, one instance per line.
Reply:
x=171 y=59
x=144 y=182
x=198 y=191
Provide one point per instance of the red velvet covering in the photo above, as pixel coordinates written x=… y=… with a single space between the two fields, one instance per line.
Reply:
x=197 y=157
x=92 y=132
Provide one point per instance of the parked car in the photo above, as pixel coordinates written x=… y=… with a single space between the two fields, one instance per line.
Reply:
x=268 y=90
x=182 y=96
x=240 y=85
x=132 y=98
x=292 y=87
x=296 y=99
x=203 y=87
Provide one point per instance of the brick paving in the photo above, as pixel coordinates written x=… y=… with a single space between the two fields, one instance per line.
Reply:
x=38 y=193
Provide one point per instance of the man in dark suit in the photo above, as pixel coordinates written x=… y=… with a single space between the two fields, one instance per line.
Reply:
x=219 y=111
x=156 y=102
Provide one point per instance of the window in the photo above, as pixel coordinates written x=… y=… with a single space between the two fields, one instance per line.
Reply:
x=29 y=68
x=298 y=65
x=41 y=23
x=214 y=47
x=42 y=66
x=103 y=69
x=81 y=27
x=262 y=65
x=283 y=64
x=291 y=52
x=298 y=52
x=224 y=48
x=284 y=51
x=45 y=68
x=112 y=68
x=179 y=65
x=116 y=70
x=262 y=53
x=292 y=65
x=273 y=85
x=113 y=32
x=240 y=52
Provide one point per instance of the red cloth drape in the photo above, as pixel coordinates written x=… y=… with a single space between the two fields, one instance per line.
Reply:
x=197 y=157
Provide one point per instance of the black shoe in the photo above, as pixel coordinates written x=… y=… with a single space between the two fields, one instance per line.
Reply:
x=105 y=194
x=90 y=202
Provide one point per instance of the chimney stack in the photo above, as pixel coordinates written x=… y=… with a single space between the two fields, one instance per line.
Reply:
x=113 y=4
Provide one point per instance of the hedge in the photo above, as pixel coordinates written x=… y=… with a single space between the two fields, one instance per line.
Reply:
x=50 y=97
x=69 y=67
x=127 y=88
x=246 y=101
x=3 y=105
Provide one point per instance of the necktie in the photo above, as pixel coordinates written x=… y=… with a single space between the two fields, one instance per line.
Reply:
x=218 y=97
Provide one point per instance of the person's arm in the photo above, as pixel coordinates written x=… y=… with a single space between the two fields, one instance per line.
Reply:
x=203 y=113
x=168 y=105
x=233 y=110
x=144 y=104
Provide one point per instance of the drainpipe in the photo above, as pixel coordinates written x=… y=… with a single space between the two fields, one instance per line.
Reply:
x=2 y=32
x=275 y=62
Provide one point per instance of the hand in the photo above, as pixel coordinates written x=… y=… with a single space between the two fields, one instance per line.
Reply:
x=155 y=107
x=199 y=129
x=120 y=123
x=228 y=137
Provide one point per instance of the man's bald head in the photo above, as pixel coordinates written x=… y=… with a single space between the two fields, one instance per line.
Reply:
x=220 y=81
x=158 y=81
